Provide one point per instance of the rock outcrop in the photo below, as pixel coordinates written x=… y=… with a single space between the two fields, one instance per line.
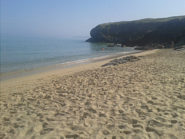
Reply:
x=163 y=31
x=121 y=61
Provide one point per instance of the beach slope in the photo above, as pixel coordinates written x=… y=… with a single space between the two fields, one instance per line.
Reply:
x=140 y=99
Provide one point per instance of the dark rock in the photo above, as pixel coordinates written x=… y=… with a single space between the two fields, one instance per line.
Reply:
x=145 y=32
x=178 y=48
x=121 y=61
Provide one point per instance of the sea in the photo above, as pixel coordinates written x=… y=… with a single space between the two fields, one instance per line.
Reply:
x=24 y=54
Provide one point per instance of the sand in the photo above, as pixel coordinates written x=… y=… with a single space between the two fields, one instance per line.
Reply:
x=134 y=100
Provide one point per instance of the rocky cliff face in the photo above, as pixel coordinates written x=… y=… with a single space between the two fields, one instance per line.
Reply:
x=141 y=32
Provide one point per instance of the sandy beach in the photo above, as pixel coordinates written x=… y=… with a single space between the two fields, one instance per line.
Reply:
x=144 y=99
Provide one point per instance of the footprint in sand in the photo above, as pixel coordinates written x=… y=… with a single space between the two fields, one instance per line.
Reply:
x=155 y=123
x=105 y=132
x=46 y=130
x=150 y=129
x=174 y=121
x=137 y=126
x=74 y=136
x=92 y=110
x=102 y=115
x=122 y=126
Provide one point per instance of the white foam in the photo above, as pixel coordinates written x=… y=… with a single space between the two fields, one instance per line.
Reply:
x=92 y=59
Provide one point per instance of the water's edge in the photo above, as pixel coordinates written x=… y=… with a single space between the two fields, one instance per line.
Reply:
x=22 y=73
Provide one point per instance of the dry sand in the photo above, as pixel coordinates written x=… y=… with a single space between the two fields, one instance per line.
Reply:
x=137 y=100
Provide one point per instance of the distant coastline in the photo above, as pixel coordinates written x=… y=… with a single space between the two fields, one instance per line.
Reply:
x=152 y=33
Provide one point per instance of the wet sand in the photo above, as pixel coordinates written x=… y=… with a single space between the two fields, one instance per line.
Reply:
x=141 y=99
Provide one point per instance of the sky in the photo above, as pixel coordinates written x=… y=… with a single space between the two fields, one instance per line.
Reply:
x=75 y=18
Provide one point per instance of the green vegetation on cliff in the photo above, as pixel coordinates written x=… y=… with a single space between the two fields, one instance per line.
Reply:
x=141 y=32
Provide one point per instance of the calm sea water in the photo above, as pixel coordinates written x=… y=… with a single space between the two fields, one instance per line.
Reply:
x=25 y=54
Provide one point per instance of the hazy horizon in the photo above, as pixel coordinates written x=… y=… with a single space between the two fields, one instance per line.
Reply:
x=60 y=19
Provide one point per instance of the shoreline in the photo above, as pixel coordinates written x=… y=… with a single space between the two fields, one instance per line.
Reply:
x=30 y=64
x=46 y=74
x=28 y=72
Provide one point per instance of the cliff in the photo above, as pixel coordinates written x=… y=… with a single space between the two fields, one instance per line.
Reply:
x=141 y=32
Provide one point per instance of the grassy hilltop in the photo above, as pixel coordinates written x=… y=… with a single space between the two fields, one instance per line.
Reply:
x=141 y=32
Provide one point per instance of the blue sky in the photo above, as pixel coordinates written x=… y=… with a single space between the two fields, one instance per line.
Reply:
x=70 y=18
